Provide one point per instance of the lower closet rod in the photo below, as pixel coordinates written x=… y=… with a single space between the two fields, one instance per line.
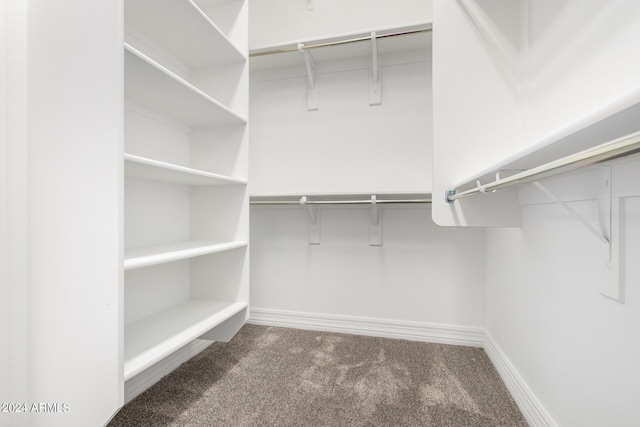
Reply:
x=623 y=147
x=337 y=202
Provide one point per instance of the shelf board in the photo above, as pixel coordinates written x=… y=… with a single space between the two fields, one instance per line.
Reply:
x=154 y=170
x=153 y=338
x=156 y=88
x=610 y=122
x=184 y=30
x=159 y=254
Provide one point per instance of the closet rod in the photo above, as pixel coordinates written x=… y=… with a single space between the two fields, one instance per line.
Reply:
x=318 y=44
x=613 y=150
x=337 y=202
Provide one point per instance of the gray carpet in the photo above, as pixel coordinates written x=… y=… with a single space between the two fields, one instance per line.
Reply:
x=270 y=376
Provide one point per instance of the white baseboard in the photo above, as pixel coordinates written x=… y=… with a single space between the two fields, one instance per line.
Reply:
x=414 y=331
x=150 y=376
x=531 y=408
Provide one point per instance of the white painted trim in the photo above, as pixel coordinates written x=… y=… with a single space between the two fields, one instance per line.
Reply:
x=414 y=331
x=145 y=379
x=531 y=408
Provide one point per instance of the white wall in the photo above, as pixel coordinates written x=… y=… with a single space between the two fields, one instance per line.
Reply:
x=5 y=318
x=347 y=146
x=576 y=349
x=14 y=358
x=421 y=273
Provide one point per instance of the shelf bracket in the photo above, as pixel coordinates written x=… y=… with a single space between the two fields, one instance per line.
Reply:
x=314 y=221
x=375 y=82
x=600 y=235
x=608 y=235
x=312 y=84
x=375 y=228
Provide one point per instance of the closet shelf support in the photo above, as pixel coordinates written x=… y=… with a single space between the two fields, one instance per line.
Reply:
x=607 y=233
x=375 y=86
x=312 y=84
x=314 y=221
x=601 y=236
x=375 y=228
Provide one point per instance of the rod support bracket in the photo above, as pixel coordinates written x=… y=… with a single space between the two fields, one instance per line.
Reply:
x=312 y=84
x=607 y=232
x=314 y=221
x=375 y=82
x=375 y=227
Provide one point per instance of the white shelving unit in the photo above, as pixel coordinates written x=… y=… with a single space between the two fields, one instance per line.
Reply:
x=186 y=201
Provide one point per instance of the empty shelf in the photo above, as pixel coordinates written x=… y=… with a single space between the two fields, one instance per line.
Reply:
x=611 y=121
x=153 y=338
x=183 y=30
x=159 y=254
x=144 y=168
x=156 y=88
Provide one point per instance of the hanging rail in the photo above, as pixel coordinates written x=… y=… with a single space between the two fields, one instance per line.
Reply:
x=619 y=148
x=338 y=202
x=335 y=42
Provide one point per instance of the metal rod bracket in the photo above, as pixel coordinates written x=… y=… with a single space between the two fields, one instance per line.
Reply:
x=375 y=82
x=314 y=221
x=375 y=227
x=600 y=235
x=312 y=86
x=607 y=233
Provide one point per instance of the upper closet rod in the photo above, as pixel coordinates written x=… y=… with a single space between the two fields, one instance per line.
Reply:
x=619 y=148
x=333 y=42
x=337 y=202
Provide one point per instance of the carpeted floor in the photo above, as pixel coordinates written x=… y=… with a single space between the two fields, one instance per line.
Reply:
x=282 y=377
